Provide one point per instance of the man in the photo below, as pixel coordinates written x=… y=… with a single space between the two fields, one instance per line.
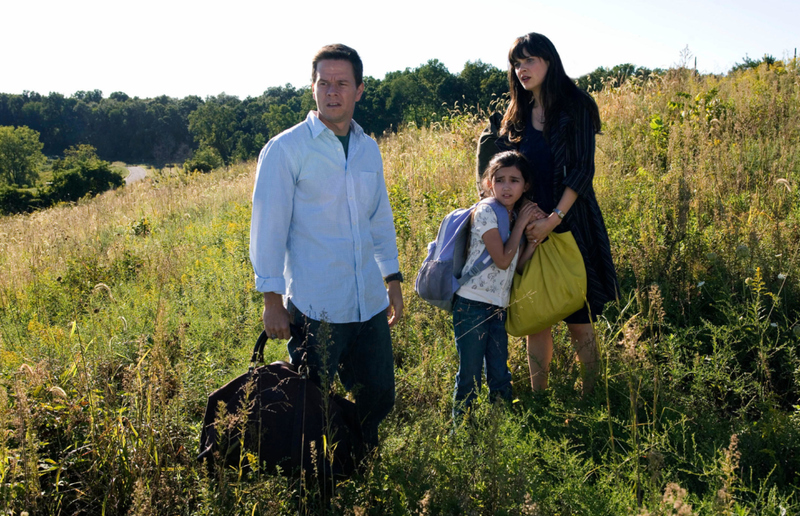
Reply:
x=322 y=239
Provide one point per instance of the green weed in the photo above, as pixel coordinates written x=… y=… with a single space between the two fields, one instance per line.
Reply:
x=120 y=314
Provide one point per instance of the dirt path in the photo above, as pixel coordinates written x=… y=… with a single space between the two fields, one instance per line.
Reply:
x=136 y=174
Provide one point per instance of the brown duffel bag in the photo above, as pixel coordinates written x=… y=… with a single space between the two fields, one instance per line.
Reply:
x=290 y=425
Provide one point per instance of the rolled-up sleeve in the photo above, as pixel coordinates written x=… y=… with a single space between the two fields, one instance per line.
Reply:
x=580 y=173
x=382 y=229
x=273 y=196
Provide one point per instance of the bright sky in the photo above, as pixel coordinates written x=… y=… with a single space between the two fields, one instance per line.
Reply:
x=240 y=47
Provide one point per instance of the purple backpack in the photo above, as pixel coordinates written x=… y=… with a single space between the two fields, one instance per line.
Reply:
x=440 y=275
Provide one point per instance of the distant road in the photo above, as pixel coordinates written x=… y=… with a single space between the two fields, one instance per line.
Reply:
x=136 y=174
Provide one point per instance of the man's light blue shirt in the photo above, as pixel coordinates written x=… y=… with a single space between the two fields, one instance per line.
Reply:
x=322 y=232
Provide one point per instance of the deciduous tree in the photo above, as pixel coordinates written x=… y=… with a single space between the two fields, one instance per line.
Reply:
x=20 y=155
x=214 y=124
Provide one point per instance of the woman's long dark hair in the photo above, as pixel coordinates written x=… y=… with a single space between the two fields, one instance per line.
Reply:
x=558 y=92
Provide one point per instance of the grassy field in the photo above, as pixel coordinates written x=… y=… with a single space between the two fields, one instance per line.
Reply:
x=120 y=314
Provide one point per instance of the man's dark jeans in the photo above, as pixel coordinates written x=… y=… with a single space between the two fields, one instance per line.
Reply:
x=362 y=355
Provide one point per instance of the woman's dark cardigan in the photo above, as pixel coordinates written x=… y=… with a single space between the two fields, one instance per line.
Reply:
x=572 y=145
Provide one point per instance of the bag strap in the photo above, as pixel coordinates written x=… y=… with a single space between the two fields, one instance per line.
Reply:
x=503 y=226
x=258 y=349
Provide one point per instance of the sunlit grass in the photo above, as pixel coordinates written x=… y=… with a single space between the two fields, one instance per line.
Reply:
x=119 y=315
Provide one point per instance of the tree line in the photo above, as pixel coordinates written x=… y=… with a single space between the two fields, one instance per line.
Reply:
x=168 y=130
x=203 y=134
x=224 y=129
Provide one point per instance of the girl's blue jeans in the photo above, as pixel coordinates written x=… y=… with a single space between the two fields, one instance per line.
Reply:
x=482 y=342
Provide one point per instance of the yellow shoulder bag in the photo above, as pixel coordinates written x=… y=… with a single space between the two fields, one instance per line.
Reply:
x=551 y=287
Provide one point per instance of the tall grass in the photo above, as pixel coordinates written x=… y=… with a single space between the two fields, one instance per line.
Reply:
x=121 y=313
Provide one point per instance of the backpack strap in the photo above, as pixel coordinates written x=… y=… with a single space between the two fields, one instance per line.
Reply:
x=503 y=226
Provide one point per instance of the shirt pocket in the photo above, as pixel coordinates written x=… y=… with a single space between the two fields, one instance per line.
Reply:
x=320 y=181
x=366 y=185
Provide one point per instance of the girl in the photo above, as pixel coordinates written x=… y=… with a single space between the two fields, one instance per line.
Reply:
x=480 y=304
x=553 y=123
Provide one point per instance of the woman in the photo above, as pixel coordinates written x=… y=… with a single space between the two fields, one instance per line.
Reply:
x=553 y=123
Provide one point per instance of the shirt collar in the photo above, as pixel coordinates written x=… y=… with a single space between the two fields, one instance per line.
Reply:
x=317 y=126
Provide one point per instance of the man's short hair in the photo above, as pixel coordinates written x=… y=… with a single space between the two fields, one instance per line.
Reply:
x=342 y=53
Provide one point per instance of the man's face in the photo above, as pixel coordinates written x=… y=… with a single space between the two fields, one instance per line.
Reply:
x=336 y=94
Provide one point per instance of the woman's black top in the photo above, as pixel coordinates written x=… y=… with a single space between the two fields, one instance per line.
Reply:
x=534 y=147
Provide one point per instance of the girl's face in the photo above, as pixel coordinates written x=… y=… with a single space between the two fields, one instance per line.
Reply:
x=531 y=71
x=508 y=185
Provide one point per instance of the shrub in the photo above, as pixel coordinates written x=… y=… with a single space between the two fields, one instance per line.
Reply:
x=89 y=178
x=18 y=200
x=82 y=173
x=204 y=159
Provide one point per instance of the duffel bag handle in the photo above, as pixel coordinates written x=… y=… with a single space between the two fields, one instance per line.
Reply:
x=258 y=349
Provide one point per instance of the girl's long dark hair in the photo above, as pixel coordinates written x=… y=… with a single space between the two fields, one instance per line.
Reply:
x=558 y=92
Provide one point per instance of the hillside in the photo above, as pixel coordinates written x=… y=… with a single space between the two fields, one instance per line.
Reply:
x=121 y=313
